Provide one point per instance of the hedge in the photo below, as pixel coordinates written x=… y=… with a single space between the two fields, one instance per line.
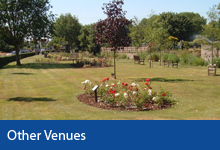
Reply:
x=8 y=59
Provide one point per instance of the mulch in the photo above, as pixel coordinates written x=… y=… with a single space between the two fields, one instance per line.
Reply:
x=90 y=100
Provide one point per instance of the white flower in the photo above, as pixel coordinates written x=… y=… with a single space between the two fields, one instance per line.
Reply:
x=126 y=95
x=134 y=92
x=133 y=84
x=107 y=85
x=86 y=82
x=154 y=98
x=150 y=92
x=117 y=94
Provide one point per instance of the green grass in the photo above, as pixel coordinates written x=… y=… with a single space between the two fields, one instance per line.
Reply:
x=37 y=91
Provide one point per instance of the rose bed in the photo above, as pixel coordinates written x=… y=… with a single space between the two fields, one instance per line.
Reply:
x=90 y=100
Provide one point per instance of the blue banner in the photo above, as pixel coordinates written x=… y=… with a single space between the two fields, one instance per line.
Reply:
x=102 y=135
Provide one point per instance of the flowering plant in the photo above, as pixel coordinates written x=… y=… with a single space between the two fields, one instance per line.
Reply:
x=124 y=95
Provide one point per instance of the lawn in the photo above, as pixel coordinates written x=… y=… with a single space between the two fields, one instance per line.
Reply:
x=37 y=91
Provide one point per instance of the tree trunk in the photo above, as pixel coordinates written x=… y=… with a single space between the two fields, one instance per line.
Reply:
x=114 y=63
x=68 y=48
x=17 y=55
x=160 y=56
x=212 y=53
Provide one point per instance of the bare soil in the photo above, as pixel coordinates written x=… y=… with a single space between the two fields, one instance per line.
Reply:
x=90 y=100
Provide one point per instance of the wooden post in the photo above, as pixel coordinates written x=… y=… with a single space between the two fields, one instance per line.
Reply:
x=96 y=97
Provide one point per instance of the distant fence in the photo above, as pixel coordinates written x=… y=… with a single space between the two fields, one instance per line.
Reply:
x=129 y=49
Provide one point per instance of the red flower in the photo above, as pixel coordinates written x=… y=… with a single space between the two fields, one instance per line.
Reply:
x=113 y=92
x=142 y=80
x=146 y=83
x=147 y=80
x=136 y=89
x=164 y=94
x=150 y=87
x=146 y=105
x=140 y=98
x=114 y=96
x=107 y=79
x=84 y=88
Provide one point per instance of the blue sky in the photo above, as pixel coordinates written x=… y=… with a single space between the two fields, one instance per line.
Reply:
x=89 y=11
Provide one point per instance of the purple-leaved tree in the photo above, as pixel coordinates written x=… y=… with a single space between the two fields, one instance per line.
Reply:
x=114 y=29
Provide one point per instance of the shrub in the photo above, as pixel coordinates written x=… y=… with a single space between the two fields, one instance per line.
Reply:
x=123 y=56
x=165 y=56
x=142 y=55
x=123 y=94
x=174 y=58
x=197 y=61
x=217 y=59
x=8 y=59
x=185 y=57
x=155 y=57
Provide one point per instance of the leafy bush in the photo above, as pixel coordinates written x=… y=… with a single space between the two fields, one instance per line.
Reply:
x=155 y=57
x=185 y=57
x=109 y=55
x=123 y=94
x=165 y=56
x=174 y=58
x=197 y=61
x=217 y=59
x=142 y=55
x=123 y=56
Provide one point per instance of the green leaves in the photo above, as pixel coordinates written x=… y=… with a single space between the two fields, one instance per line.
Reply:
x=24 y=18
x=68 y=27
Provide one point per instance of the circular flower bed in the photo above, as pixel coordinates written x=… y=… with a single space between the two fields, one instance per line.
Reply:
x=122 y=96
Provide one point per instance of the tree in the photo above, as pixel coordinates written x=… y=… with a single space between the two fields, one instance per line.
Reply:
x=23 y=19
x=211 y=31
x=197 y=24
x=184 y=25
x=137 y=33
x=87 y=39
x=113 y=30
x=68 y=27
x=160 y=37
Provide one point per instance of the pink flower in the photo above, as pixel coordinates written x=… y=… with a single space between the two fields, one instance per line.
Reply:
x=150 y=92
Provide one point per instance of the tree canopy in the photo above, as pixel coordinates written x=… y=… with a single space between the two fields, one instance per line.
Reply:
x=68 y=27
x=24 y=19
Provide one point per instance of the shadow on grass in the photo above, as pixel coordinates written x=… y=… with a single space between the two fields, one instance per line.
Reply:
x=162 y=80
x=31 y=99
x=22 y=73
x=39 y=66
